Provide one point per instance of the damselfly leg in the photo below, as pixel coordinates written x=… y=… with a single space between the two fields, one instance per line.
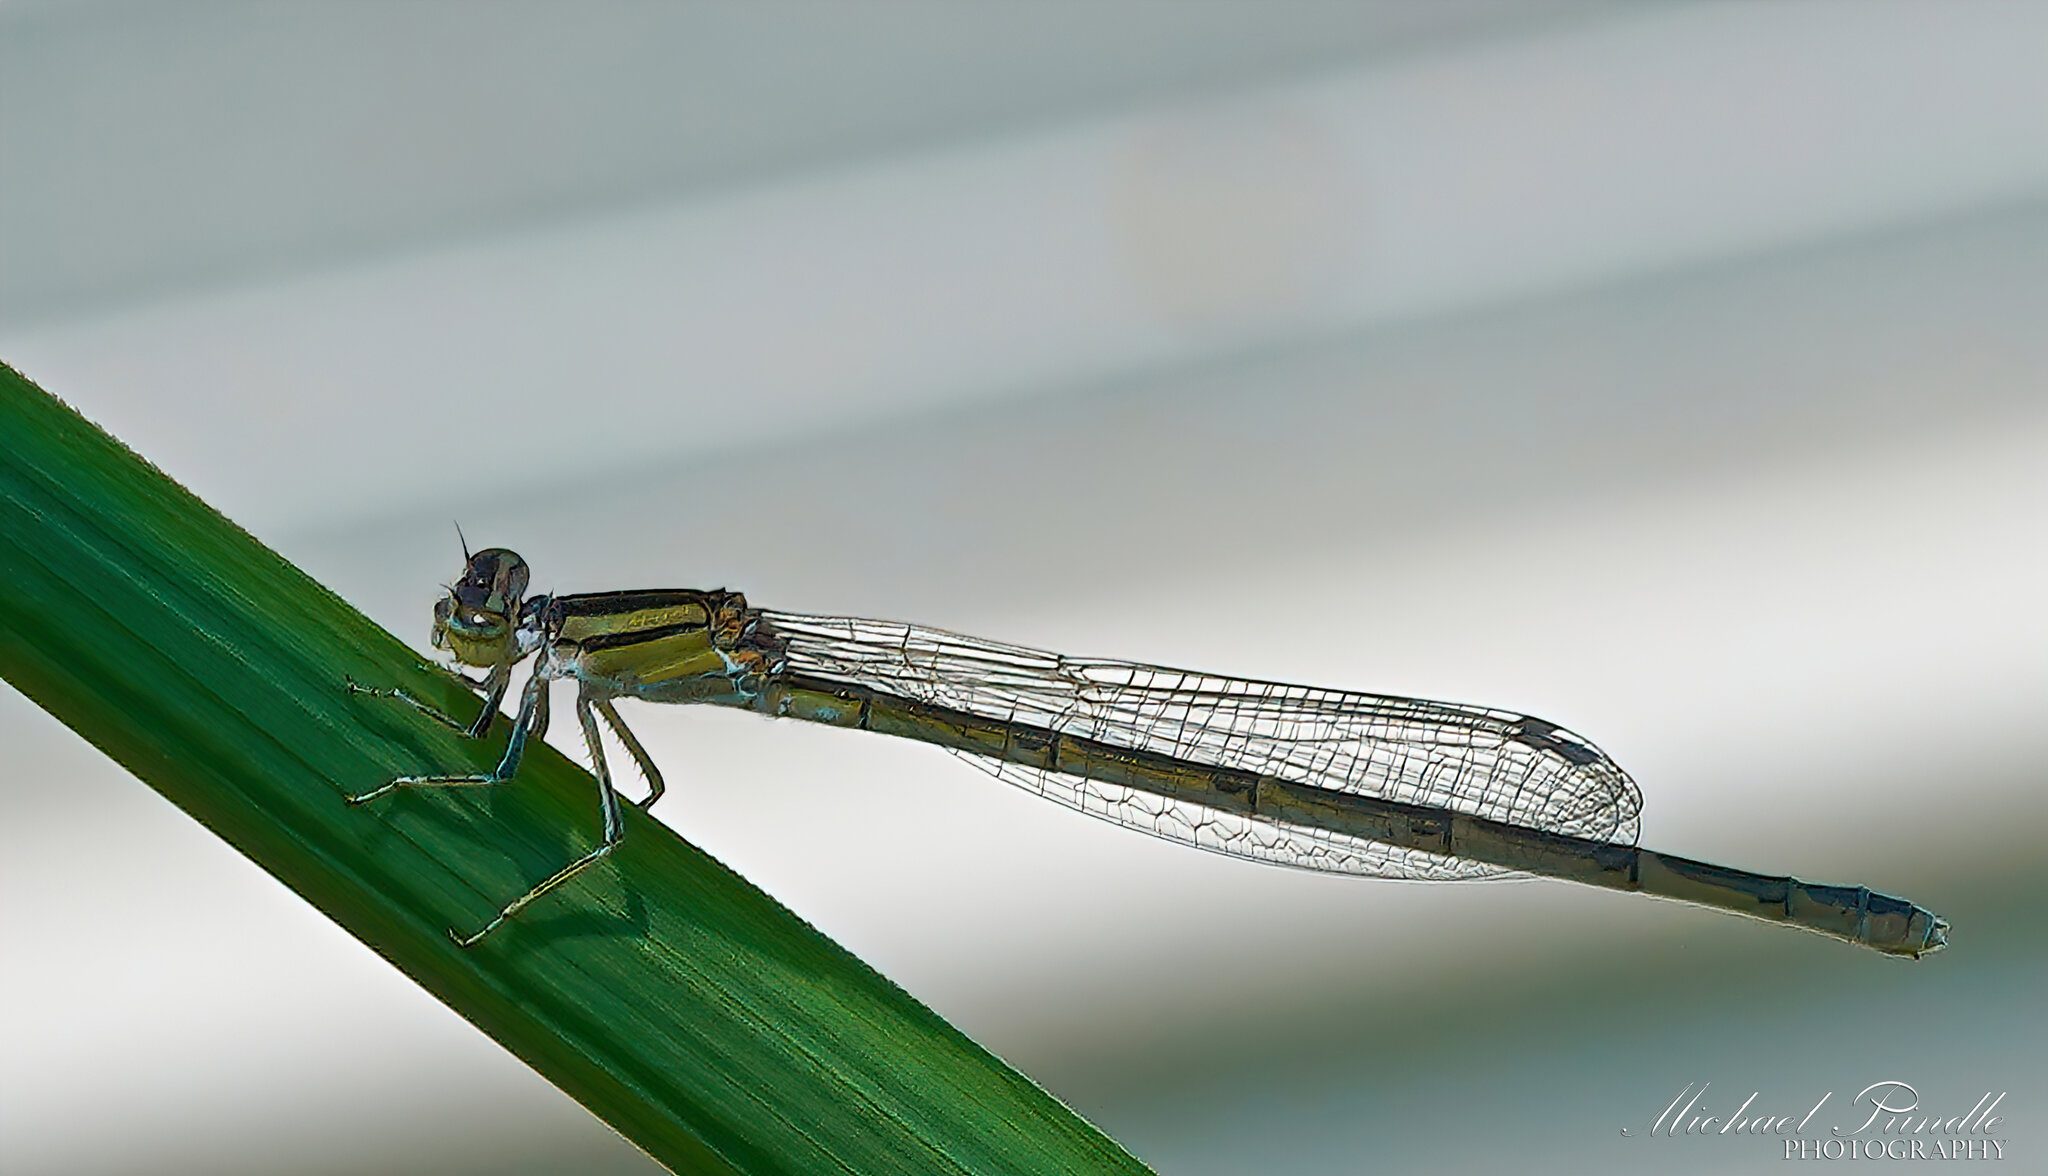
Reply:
x=492 y=685
x=655 y=785
x=531 y=723
x=608 y=803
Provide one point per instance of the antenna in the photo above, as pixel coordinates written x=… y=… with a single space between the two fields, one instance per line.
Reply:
x=464 y=541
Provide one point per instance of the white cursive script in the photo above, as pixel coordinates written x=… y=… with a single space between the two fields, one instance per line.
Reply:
x=1888 y=1109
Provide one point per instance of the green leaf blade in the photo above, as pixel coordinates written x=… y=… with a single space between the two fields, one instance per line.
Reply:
x=687 y=1009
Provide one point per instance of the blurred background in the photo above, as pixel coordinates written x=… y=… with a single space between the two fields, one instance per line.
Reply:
x=1672 y=371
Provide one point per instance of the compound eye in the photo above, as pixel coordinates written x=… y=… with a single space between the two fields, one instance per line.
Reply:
x=513 y=577
x=497 y=577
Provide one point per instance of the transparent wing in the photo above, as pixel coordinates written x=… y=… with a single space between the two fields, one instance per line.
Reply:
x=1490 y=763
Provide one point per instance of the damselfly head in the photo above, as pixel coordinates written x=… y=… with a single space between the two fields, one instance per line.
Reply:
x=475 y=621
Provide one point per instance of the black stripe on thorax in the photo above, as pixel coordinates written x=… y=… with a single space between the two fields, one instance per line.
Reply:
x=628 y=637
x=607 y=604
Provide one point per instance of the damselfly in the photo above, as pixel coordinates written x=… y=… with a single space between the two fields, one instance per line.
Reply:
x=1326 y=780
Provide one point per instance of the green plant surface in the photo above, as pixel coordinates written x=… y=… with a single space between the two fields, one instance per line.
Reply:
x=709 y=1025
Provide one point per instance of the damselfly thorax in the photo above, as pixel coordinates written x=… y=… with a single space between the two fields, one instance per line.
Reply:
x=1325 y=780
x=663 y=646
